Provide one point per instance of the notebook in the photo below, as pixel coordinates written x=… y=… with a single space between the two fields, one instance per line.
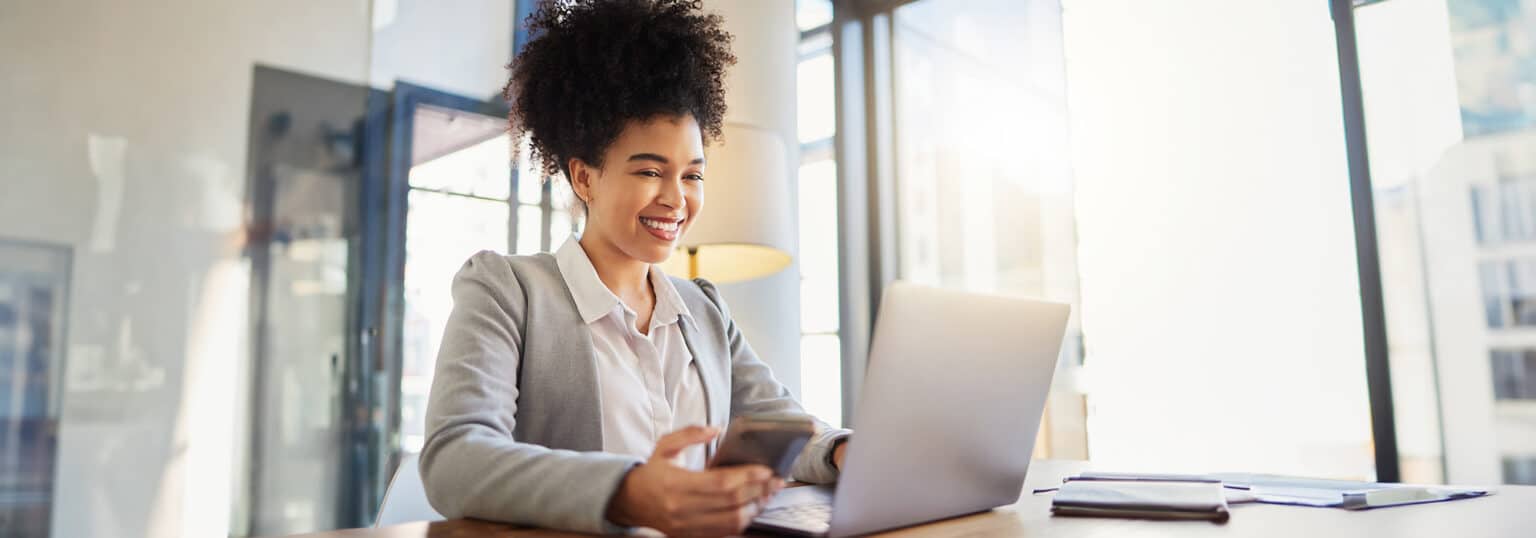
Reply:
x=1142 y=499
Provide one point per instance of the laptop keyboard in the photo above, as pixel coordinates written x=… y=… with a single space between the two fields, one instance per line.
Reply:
x=810 y=514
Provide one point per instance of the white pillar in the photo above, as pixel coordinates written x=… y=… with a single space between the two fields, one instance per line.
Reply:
x=760 y=93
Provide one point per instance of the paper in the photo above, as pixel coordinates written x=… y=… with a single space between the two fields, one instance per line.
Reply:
x=1275 y=489
x=1297 y=491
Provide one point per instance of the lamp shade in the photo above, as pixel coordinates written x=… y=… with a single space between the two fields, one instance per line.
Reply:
x=745 y=229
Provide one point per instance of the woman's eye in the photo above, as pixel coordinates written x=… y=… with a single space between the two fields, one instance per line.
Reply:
x=695 y=177
x=650 y=173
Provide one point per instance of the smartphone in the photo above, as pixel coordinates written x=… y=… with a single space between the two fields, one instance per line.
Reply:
x=772 y=441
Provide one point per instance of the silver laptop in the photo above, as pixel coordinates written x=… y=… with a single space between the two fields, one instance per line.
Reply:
x=951 y=404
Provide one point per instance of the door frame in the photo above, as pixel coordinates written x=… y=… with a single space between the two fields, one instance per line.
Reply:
x=375 y=444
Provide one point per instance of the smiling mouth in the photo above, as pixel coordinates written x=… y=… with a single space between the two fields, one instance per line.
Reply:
x=663 y=225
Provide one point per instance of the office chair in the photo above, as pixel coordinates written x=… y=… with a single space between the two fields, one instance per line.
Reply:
x=405 y=499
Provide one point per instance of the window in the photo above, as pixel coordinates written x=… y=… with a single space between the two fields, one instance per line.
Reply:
x=461 y=202
x=1509 y=292
x=1514 y=374
x=1450 y=142
x=984 y=196
x=1219 y=283
x=820 y=340
x=1519 y=470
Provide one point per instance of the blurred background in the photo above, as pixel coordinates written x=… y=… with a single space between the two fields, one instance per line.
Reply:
x=1298 y=236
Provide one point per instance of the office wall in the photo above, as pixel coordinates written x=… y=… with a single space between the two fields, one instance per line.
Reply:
x=125 y=138
x=460 y=47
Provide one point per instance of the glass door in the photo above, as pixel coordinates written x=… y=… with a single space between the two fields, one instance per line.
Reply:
x=462 y=194
x=34 y=296
x=305 y=155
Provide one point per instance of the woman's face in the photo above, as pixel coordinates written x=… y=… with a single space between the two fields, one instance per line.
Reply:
x=649 y=190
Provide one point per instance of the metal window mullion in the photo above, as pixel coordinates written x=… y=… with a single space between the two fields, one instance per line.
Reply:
x=861 y=56
x=1368 y=260
x=514 y=175
x=818 y=150
x=882 y=126
x=449 y=193
x=818 y=32
x=815 y=32
x=852 y=186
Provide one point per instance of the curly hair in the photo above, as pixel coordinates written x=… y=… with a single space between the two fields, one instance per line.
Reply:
x=594 y=65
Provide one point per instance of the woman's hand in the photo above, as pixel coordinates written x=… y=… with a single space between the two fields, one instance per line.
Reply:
x=681 y=502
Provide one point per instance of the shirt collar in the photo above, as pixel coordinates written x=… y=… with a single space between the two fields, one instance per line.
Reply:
x=593 y=298
x=669 y=305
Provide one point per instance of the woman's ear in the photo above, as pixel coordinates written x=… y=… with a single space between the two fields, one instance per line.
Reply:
x=581 y=179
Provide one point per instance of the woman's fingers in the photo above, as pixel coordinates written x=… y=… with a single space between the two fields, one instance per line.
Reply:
x=704 y=504
x=714 y=501
x=758 y=493
x=722 y=480
x=723 y=488
x=670 y=445
x=775 y=486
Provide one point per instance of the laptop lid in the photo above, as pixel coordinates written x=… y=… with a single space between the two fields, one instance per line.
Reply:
x=951 y=404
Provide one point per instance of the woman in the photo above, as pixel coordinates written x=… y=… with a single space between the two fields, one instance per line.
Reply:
x=582 y=390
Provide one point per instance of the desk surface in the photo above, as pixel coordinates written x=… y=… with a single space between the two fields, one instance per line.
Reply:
x=1511 y=512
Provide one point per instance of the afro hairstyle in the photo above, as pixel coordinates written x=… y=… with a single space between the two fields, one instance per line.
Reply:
x=592 y=66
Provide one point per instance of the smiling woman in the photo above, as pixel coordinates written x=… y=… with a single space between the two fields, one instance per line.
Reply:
x=560 y=374
x=647 y=197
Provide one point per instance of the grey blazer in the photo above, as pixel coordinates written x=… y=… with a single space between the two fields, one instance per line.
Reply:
x=514 y=421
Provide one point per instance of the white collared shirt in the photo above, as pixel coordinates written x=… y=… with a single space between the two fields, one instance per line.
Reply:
x=648 y=384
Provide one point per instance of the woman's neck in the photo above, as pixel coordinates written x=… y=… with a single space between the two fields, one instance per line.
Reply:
x=626 y=277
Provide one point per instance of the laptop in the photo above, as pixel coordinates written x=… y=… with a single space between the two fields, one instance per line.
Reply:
x=951 y=404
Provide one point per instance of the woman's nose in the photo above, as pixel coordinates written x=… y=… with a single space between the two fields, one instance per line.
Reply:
x=671 y=194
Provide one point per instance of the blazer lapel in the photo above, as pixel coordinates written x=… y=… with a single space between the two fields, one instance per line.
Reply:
x=717 y=398
x=578 y=370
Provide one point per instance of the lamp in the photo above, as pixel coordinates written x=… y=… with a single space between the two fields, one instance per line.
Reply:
x=745 y=231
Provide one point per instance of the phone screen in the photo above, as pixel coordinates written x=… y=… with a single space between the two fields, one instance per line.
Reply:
x=771 y=441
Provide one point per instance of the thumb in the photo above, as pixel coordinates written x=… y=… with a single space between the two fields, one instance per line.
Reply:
x=670 y=445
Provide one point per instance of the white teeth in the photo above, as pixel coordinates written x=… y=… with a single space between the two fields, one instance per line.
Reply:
x=666 y=226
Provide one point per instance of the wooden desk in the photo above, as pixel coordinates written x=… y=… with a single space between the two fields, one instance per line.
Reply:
x=1510 y=513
